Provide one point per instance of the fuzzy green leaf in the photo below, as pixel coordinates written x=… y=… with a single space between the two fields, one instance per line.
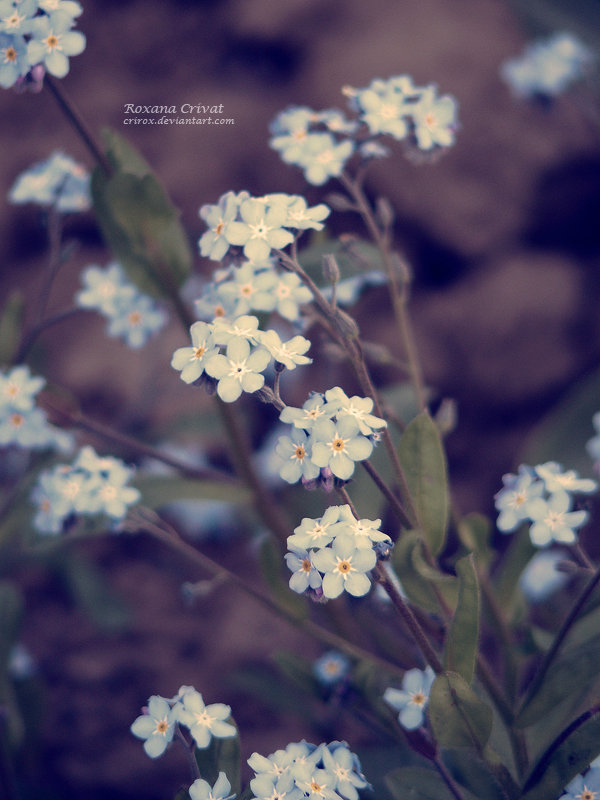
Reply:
x=458 y=717
x=418 y=589
x=422 y=456
x=463 y=636
x=564 y=760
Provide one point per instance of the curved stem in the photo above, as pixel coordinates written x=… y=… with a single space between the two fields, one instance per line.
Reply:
x=32 y=335
x=78 y=123
x=189 y=751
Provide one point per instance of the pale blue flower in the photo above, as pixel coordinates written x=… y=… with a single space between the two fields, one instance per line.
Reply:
x=58 y=181
x=364 y=531
x=260 y=229
x=53 y=42
x=190 y=361
x=548 y=67
x=306 y=417
x=583 y=787
x=340 y=762
x=317 y=784
x=434 y=120
x=384 y=109
x=304 y=573
x=15 y=17
x=29 y=428
x=215 y=303
x=339 y=445
x=358 y=408
x=556 y=480
x=204 y=721
x=344 y=567
x=295 y=452
x=239 y=370
x=104 y=289
x=202 y=790
x=315 y=533
x=282 y=293
x=411 y=701
x=554 y=521
x=213 y=243
x=70 y=7
x=156 y=727
x=322 y=157
x=18 y=388
x=13 y=59
x=331 y=668
x=521 y=494
x=290 y=353
x=300 y=216
x=540 y=579
x=240 y=294
x=136 y=320
x=244 y=328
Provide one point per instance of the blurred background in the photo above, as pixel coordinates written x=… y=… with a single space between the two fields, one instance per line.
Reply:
x=503 y=237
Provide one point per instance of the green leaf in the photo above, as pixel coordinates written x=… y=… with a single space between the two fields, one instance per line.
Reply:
x=221 y=755
x=473 y=772
x=463 y=636
x=157 y=491
x=418 y=588
x=11 y=320
x=422 y=456
x=474 y=532
x=564 y=760
x=576 y=670
x=457 y=716
x=415 y=783
x=271 y=561
x=139 y=222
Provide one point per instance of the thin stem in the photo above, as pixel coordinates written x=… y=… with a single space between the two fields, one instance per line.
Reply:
x=148 y=521
x=409 y=619
x=561 y=636
x=32 y=335
x=264 y=503
x=385 y=490
x=398 y=294
x=189 y=751
x=79 y=420
x=78 y=123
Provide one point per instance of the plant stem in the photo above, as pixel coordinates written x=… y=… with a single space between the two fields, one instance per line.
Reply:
x=79 y=124
x=398 y=294
x=189 y=751
x=32 y=335
x=385 y=490
x=561 y=636
x=146 y=520
x=79 y=420
x=447 y=778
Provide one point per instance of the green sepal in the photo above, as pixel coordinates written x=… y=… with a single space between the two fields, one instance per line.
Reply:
x=221 y=755
x=11 y=323
x=458 y=717
x=139 y=222
x=463 y=636
x=564 y=760
x=416 y=783
x=271 y=566
x=422 y=457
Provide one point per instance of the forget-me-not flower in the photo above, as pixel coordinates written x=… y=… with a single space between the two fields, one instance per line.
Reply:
x=411 y=701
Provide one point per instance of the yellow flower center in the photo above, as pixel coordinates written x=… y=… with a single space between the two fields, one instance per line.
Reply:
x=306 y=565
x=52 y=42
x=300 y=452
x=199 y=352
x=10 y=54
x=587 y=794
x=219 y=311
x=419 y=698
x=388 y=111
x=12 y=390
x=338 y=444
x=220 y=227
x=135 y=318
x=246 y=289
x=17 y=420
x=344 y=567
x=162 y=726
x=430 y=120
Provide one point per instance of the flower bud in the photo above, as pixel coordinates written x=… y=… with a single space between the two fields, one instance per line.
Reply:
x=331 y=271
x=346 y=325
x=384 y=212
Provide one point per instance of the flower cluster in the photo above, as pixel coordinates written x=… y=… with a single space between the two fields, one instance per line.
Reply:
x=322 y=142
x=411 y=701
x=22 y=423
x=160 y=718
x=329 y=434
x=92 y=485
x=59 y=181
x=543 y=495
x=547 y=68
x=37 y=36
x=333 y=553
x=305 y=772
x=257 y=225
x=247 y=353
x=131 y=315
